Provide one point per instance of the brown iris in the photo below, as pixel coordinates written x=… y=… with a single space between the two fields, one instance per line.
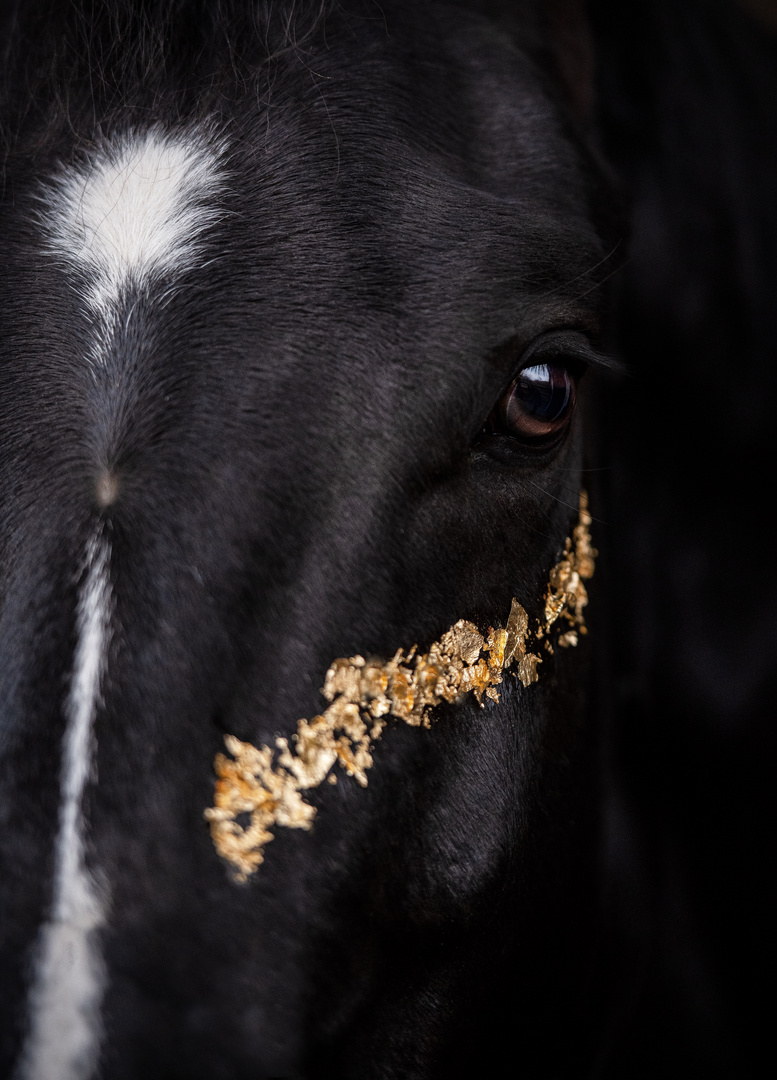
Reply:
x=537 y=405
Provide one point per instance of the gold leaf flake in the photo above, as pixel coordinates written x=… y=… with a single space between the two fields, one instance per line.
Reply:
x=265 y=785
x=567 y=595
x=517 y=630
x=527 y=669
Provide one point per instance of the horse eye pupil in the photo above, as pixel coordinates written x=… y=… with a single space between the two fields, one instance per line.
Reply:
x=538 y=405
x=543 y=391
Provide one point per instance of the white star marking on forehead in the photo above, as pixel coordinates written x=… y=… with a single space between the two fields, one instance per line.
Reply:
x=135 y=210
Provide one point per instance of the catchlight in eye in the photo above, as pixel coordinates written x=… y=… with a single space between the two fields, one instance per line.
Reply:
x=537 y=405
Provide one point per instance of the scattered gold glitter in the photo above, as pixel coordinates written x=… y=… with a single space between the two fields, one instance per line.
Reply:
x=266 y=785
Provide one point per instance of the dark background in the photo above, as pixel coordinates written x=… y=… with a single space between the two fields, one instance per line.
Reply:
x=687 y=114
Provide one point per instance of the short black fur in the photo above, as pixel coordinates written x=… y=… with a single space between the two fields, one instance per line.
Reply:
x=295 y=434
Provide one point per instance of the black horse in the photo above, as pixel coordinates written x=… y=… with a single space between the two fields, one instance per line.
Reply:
x=304 y=310
x=298 y=312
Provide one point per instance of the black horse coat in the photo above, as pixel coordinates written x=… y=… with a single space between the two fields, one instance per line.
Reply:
x=268 y=281
x=303 y=324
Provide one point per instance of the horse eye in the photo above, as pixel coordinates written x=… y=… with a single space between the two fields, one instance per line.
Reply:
x=537 y=405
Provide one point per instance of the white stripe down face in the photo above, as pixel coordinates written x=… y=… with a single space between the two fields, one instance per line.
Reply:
x=130 y=217
x=65 y=1028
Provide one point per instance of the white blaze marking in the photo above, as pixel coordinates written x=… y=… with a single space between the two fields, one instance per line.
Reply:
x=64 y=1037
x=135 y=211
x=130 y=217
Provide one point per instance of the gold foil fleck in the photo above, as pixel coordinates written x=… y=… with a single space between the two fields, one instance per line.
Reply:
x=567 y=596
x=266 y=784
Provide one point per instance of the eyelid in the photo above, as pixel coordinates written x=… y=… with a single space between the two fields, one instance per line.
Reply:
x=567 y=348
